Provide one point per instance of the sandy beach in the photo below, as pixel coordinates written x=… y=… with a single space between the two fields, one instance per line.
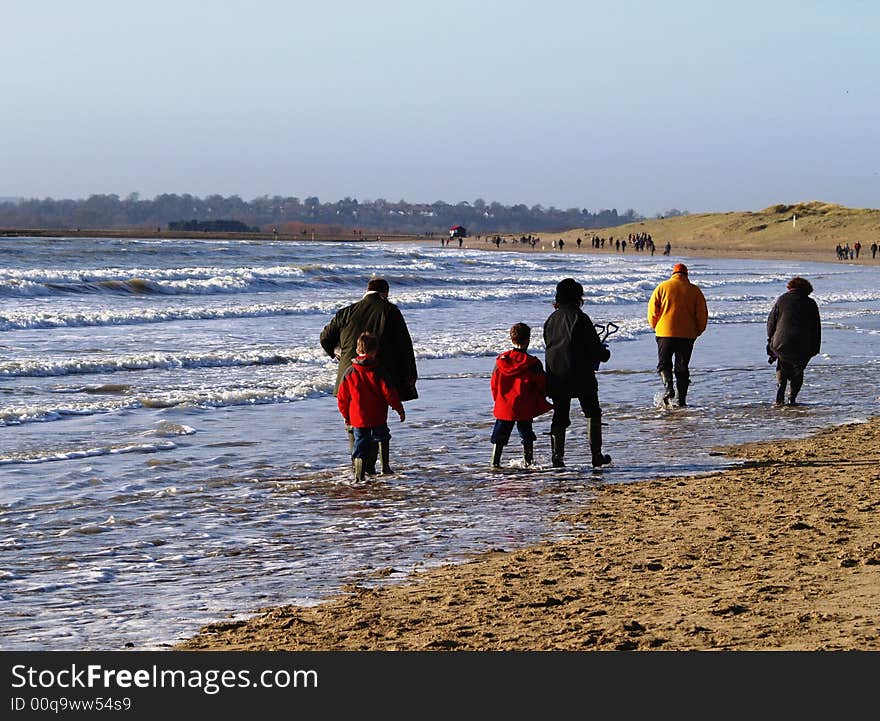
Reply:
x=780 y=552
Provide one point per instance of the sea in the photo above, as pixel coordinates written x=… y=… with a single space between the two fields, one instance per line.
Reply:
x=171 y=453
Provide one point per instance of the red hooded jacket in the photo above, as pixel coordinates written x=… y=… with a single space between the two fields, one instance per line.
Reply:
x=519 y=386
x=364 y=394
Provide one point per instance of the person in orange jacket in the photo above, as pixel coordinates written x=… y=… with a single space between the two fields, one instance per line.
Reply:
x=678 y=314
x=519 y=389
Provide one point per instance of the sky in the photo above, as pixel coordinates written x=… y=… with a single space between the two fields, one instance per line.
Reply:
x=650 y=106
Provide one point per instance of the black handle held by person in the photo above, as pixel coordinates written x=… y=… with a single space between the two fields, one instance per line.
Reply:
x=604 y=331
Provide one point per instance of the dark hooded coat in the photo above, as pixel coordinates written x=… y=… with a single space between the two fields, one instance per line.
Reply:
x=573 y=347
x=794 y=330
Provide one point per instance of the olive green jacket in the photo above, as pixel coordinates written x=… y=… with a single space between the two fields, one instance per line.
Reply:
x=375 y=314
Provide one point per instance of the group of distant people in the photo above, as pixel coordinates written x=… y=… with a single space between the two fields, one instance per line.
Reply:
x=637 y=241
x=844 y=252
x=377 y=366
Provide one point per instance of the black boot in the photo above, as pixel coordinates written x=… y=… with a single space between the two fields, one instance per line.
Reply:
x=557 y=449
x=384 y=454
x=595 y=430
x=682 y=381
x=794 y=389
x=496 y=455
x=780 y=388
x=370 y=459
x=360 y=475
x=668 y=387
x=528 y=452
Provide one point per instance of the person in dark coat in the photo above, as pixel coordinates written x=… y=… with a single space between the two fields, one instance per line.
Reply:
x=374 y=313
x=364 y=395
x=573 y=351
x=519 y=389
x=794 y=336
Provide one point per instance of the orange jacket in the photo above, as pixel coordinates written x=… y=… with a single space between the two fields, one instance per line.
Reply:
x=677 y=309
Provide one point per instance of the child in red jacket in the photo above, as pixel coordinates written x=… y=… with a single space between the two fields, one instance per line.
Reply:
x=519 y=389
x=364 y=394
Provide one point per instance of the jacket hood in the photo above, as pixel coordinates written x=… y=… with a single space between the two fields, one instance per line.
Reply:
x=362 y=360
x=513 y=362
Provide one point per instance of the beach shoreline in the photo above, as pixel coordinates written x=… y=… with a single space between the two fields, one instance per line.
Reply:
x=798 y=249
x=780 y=552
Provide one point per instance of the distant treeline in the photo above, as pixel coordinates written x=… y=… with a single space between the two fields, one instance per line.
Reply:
x=213 y=226
x=111 y=211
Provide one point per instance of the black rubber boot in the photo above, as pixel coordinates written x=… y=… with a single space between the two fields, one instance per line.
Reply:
x=384 y=454
x=668 y=387
x=557 y=449
x=496 y=455
x=780 y=388
x=682 y=381
x=794 y=389
x=360 y=475
x=595 y=430
x=370 y=459
x=528 y=453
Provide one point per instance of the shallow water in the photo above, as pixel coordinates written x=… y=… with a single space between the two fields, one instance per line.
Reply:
x=170 y=452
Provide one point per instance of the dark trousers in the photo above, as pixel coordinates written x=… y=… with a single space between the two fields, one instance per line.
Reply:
x=562 y=410
x=674 y=355
x=364 y=438
x=501 y=432
x=793 y=371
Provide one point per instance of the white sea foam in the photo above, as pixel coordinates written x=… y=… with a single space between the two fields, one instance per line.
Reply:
x=39 y=457
x=77 y=366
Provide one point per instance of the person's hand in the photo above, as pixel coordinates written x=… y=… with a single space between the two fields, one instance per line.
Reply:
x=402 y=414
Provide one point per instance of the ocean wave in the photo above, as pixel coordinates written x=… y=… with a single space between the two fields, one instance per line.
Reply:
x=67 y=455
x=321 y=384
x=151 y=361
x=40 y=318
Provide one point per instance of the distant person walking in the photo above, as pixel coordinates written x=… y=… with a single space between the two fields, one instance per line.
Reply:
x=573 y=351
x=678 y=314
x=873 y=250
x=519 y=390
x=374 y=314
x=794 y=336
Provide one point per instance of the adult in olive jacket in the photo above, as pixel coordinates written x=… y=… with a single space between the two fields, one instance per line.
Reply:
x=794 y=336
x=573 y=350
x=376 y=314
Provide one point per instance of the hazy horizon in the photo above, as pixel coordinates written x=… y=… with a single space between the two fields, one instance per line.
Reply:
x=653 y=107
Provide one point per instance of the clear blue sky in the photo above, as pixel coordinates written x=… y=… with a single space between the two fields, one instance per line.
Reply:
x=699 y=106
